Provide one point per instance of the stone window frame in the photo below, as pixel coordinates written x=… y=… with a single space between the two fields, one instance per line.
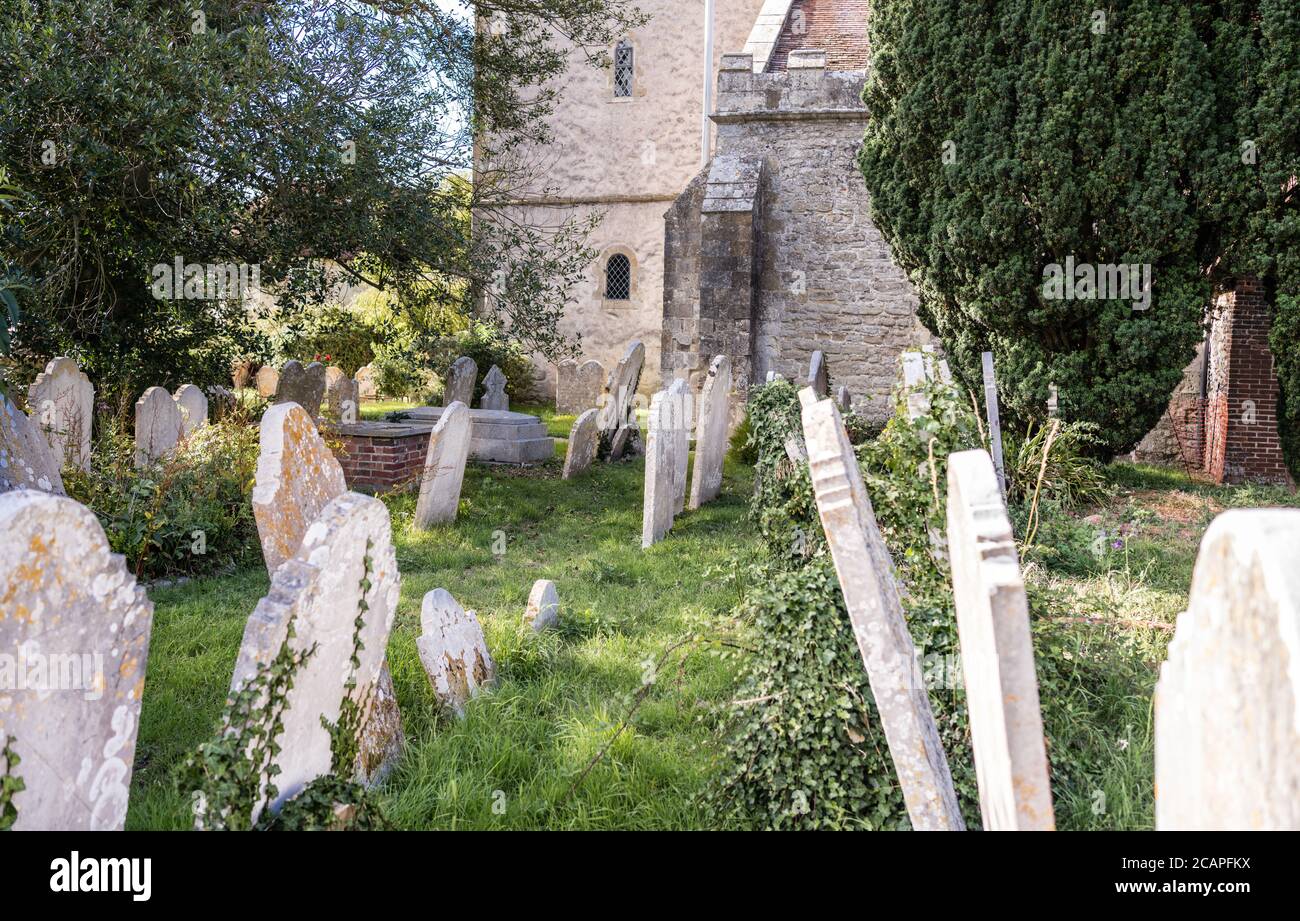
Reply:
x=603 y=280
x=635 y=86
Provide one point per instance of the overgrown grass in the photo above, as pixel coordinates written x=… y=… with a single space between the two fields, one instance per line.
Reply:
x=516 y=760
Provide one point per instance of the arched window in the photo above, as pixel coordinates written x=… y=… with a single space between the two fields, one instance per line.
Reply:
x=623 y=69
x=618 y=278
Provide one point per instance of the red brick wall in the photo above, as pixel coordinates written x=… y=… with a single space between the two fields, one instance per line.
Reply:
x=381 y=464
x=838 y=27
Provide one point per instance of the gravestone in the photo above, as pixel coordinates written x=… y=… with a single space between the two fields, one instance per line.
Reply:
x=915 y=377
x=460 y=382
x=453 y=651
x=77 y=625
x=584 y=442
x=997 y=652
x=494 y=391
x=994 y=420
x=681 y=408
x=62 y=401
x=543 y=611
x=193 y=406
x=618 y=401
x=158 y=426
x=578 y=386
x=818 y=376
x=342 y=395
x=26 y=461
x=367 y=379
x=660 y=471
x=338 y=593
x=866 y=576
x=625 y=441
x=267 y=381
x=844 y=400
x=297 y=476
x=444 y=468
x=1227 y=705
x=711 y=433
x=221 y=402
x=241 y=374
x=302 y=385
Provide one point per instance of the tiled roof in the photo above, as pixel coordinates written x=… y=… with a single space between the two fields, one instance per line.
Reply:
x=838 y=27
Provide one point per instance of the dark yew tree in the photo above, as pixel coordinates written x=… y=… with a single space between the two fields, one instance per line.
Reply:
x=1008 y=136
x=294 y=135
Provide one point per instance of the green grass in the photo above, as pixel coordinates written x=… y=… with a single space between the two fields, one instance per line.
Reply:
x=561 y=697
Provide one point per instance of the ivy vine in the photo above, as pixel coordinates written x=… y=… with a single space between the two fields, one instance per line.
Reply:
x=10 y=783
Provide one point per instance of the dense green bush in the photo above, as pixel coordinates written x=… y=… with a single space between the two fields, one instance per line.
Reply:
x=187 y=514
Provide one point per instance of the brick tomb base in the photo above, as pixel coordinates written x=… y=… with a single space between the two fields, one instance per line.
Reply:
x=380 y=456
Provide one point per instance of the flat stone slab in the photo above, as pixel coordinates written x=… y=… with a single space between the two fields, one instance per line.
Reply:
x=496 y=436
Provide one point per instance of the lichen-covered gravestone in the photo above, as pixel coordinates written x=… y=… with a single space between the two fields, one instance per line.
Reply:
x=543 y=611
x=75 y=626
x=578 y=386
x=494 y=391
x=584 y=442
x=302 y=385
x=453 y=651
x=660 y=472
x=444 y=468
x=26 y=461
x=267 y=381
x=342 y=396
x=711 y=433
x=618 y=402
x=338 y=593
x=866 y=577
x=62 y=400
x=1227 y=706
x=460 y=382
x=997 y=653
x=158 y=425
x=297 y=476
x=193 y=405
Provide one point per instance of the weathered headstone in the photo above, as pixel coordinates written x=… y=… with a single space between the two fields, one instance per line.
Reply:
x=660 y=470
x=624 y=442
x=578 y=386
x=338 y=593
x=681 y=418
x=543 y=611
x=26 y=461
x=158 y=425
x=77 y=626
x=342 y=395
x=367 y=379
x=915 y=377
x=62 y=401
x=1227 y=706
x=453 y=651
x=994 y=419
x=618 y=401
x=221 y=402
x=997 y=652
x=711 y=432
x=193 y=405
x=444 y=468
x=461 y=380
x=302 y=385
x=241 y=374
x=267 y=381
x=494 y=391
x=866 y=576
x=297 y=476
x=818 y=375
x=584 y=441
x=844 y=400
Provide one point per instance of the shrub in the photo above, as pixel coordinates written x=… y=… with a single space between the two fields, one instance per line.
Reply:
x=1070 y=478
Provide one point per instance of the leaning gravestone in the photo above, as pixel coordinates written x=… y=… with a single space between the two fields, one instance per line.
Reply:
x=578 y=386
x=78 y=624
x=453 y=651
x=818 y=375
x=994 y=419
x=494 y=391
x=997 y=652
x=297 y=476
x=1227 y=706
x=158 y=426
x=660 y=471
x=619 y=398
x=444 y=468
x=866 y=576
x=193 y=406
x=543 y=611
x=62 y=400
x=338 y=594
x=367 y=379
x=711 y=433
x=26 y=461
x=266 y=381
x=302 y=385
x=584 y=442
x=460 y=382
x=342 y=395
